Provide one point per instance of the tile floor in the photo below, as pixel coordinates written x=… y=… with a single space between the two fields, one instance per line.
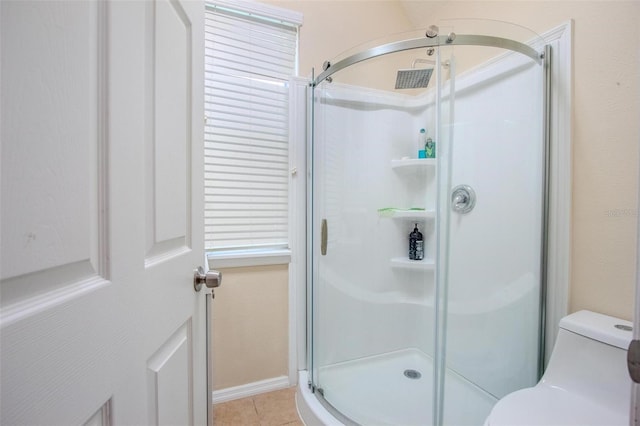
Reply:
x=277 y=408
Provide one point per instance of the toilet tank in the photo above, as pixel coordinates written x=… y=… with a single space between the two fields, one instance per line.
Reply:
x=589 y=359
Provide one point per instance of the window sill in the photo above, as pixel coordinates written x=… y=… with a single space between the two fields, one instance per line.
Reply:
x=243 y=258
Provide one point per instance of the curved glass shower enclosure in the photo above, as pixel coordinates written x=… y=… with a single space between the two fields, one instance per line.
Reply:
x=432 y=335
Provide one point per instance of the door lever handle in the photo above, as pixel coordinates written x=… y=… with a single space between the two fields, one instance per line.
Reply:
x=211 y=279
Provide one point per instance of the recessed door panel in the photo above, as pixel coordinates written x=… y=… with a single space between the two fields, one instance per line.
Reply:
x=169 y=377
x=53 y=179
x=170 y=130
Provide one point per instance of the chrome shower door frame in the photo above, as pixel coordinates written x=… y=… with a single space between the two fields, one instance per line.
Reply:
x=540 y=58
x=417 y=43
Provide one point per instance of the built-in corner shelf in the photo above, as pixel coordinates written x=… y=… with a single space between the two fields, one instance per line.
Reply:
x=406 y=263
x=408 y=214
x=413 y=163
x=410 y=166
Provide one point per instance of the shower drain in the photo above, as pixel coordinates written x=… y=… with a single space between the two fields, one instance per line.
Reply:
x=412 y=374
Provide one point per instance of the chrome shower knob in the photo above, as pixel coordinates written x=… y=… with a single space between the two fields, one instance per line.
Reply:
x=463 y=199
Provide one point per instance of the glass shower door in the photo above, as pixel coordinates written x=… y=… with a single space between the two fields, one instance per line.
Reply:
x=494 y=200
x=373 y=306
x=431 y=341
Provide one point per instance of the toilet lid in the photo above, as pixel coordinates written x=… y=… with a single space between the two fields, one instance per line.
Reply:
x=547 y=406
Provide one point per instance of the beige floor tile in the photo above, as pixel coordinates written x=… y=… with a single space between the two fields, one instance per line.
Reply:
x=277 y=408
x=241 y=412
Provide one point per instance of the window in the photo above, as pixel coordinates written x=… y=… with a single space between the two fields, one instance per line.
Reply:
x=249 y=57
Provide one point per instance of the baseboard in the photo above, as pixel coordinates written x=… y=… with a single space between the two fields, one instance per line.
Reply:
x=249 y=389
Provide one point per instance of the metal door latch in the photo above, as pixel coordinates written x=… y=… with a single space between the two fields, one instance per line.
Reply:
x=211 y=279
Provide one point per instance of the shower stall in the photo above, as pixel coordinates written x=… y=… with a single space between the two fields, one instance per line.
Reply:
x=396 y=338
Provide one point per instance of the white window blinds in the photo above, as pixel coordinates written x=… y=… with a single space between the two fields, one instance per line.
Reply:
x=248 y=62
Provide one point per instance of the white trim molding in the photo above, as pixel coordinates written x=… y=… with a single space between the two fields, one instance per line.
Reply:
x=297 y=224
x=250 y=389
x=262 y=9
x=559 y=232
x=249 y=257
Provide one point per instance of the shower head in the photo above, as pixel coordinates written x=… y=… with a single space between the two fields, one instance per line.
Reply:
x=413 y=78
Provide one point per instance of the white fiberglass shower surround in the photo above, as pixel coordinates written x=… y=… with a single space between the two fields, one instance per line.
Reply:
x=437 y=341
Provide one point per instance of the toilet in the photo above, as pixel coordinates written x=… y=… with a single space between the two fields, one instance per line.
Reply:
x=586 y=381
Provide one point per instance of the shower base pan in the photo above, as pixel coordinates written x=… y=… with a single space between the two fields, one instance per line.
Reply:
x=391 y=389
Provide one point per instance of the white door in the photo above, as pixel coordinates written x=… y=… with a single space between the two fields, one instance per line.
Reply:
x=101 y=213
